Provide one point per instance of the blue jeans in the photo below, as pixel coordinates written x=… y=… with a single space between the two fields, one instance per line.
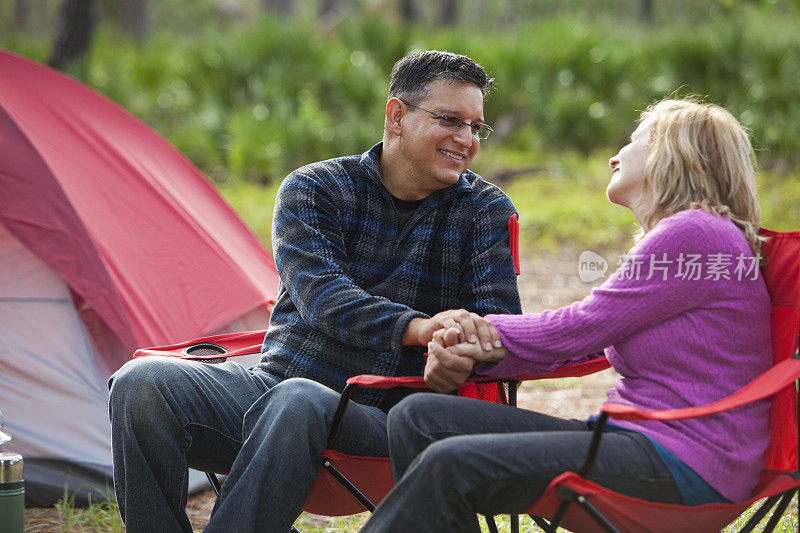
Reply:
x=455 y=457
x=168 y=415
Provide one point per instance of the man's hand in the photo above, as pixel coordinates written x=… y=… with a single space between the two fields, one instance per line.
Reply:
x=444 y=370
x=472 y=328
x=450 y=362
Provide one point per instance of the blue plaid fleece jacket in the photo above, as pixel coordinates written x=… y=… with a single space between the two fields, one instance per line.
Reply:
x=350 y=282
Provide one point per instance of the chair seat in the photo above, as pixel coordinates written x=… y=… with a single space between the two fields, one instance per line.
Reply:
x=633 y=515
x=372 y=476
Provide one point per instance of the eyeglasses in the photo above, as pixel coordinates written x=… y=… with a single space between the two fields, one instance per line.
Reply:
x=481 y=131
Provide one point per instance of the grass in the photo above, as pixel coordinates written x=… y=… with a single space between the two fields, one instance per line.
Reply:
x=100 y=516
x=103 y=518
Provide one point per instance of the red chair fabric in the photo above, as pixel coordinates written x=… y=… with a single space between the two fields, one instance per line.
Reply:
x=782 y=276
x=372 y=476
x=231 y=344
x=631 y=515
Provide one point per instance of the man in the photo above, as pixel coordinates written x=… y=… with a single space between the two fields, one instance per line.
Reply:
x=370 y=250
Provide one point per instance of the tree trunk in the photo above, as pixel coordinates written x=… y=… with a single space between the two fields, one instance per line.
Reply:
x=135 y=17
x=646 y=10
x=334 y=8
x=75 y=25
x=448 y=14
x=279 y=7
x=409 y=11
x=22 y=15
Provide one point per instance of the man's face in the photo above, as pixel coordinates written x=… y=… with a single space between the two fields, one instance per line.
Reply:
x=438 y=156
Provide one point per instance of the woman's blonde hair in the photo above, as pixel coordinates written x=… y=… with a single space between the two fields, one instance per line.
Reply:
x=700 y=157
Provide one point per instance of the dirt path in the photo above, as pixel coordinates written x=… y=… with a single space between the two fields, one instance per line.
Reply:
x=547 y=281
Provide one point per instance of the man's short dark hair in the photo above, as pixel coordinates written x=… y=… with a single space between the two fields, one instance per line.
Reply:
x=412 y=74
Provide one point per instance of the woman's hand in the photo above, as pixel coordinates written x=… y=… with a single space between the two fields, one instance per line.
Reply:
x=478 y=354
x=490 y=353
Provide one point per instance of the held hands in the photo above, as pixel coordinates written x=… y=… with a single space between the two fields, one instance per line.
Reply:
x=472 y=328
x=451 y=362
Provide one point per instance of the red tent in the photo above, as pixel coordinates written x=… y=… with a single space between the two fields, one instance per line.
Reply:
x=149 y=250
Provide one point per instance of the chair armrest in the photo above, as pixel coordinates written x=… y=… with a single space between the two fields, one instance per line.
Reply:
x=228 y=345
x=571 y=371
x=371 y=381
x=770 y=382
x=416 y=382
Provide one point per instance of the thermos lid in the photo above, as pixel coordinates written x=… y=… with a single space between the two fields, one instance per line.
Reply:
x=10 y=467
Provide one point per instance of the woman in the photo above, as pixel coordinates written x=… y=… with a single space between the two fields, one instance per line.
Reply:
x=684 y=321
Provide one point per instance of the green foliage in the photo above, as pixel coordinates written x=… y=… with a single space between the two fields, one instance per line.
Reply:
x=568 y=204
x=255 y=204
x=252 y=99
x=779 y=195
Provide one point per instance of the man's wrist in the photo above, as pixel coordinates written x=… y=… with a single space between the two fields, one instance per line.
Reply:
x=411 y=335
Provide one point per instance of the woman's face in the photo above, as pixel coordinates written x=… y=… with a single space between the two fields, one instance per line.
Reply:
x=626 y=187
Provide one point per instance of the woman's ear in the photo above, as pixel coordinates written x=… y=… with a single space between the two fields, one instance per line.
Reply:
x=395 y=110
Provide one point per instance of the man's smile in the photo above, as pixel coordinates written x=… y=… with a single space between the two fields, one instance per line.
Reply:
x=452 y=155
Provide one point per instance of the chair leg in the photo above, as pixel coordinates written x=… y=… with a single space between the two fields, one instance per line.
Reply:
x=777 y=514
x=597 y=515
x=348 y=485
x=568 y=496
x=760 y=513
x=214 y=481
x=541 y=522
x=514 y=523
x=490 y=523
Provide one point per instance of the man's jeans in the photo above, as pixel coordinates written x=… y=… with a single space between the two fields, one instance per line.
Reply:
x=169 y=414
x=455 y=457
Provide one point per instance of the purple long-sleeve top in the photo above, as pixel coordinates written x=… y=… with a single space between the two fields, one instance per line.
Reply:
x=676 y=341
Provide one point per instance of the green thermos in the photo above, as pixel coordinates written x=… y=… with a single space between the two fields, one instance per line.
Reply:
x=12 y=491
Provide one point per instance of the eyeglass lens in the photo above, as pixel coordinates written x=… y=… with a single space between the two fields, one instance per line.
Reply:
x=481 y=131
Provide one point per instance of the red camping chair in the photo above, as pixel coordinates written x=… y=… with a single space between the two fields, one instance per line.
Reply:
x=599 y=509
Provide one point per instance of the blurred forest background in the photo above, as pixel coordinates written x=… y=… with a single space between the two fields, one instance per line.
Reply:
x=251 y=89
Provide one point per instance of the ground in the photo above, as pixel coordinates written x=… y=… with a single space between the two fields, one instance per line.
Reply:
x=547 y=281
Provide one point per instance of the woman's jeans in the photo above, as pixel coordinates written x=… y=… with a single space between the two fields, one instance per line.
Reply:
x=455 y=457
x=168 y=414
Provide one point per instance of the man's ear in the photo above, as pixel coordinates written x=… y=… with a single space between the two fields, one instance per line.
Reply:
x=395 y=109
